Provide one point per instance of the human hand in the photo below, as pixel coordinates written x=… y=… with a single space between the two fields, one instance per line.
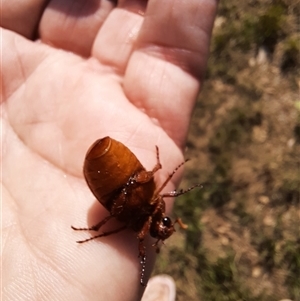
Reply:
x=130 y=71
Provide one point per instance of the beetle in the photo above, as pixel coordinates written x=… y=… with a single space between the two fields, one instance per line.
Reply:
x=128 y=191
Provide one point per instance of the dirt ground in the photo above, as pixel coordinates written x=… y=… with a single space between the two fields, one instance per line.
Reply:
x=243 y=241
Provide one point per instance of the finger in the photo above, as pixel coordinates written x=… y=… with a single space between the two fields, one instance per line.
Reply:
x=135 y=6
x=21 y=16
x=114 y=43
x=59 y=119
x=164 y=72
x=178 y=32
x=73 y=25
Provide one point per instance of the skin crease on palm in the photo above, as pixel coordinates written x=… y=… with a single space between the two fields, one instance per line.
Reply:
x=73 y=72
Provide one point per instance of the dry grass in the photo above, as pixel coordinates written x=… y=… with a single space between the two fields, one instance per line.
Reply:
x=243 y=241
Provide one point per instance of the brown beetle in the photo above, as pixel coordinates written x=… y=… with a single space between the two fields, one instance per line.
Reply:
x=123 y=186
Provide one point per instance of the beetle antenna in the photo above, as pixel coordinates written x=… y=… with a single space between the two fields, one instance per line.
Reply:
x=181 y=223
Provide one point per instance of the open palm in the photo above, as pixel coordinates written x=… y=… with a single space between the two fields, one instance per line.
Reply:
x=130 y=71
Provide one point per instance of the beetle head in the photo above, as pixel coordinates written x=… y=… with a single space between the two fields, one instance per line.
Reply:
x=163 y=228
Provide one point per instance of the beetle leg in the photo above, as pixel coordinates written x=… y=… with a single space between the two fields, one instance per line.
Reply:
x=142 y=249
x=157 y=248
x=158 y=164
x=175 y=193
x=142 y=255
x=142 y=177
x=95 y=227
x=145 y=176
x=118 y=205
x=159 y=205
x=169 y=177
x=103 y=234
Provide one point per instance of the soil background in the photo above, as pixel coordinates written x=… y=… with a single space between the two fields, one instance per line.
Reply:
x=243 y=240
